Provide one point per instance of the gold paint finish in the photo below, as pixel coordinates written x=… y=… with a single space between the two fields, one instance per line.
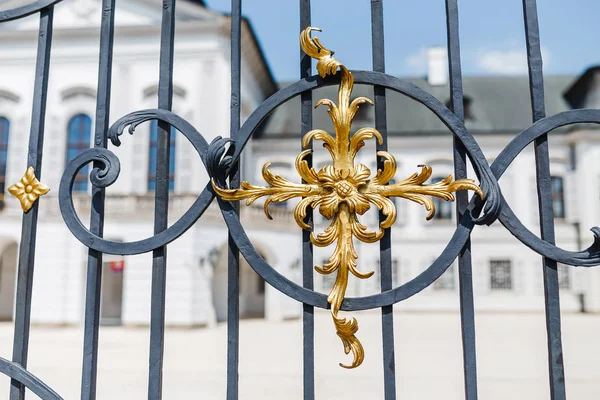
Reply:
x=28 y=189
x=344 y=190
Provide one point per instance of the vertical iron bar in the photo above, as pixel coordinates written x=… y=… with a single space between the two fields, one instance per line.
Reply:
x=308 y=316
x=465 y=267
x=546 y=212
x=161 y=205
x=233 y=255
x=94 y=272
x=29 y=224
x=385 y=248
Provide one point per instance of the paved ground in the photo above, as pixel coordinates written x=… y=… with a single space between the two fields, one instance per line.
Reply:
x=511 y=356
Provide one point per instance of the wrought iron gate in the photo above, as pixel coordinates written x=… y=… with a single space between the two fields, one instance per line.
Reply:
x=221 y=160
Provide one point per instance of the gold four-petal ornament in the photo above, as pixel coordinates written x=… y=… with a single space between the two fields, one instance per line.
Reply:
x=28 y=189
x=344 y=190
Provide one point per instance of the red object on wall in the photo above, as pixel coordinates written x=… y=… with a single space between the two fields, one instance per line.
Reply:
x=117 y=266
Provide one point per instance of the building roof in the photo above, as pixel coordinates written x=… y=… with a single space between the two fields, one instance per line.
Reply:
x=497 y=104
x=267 y=78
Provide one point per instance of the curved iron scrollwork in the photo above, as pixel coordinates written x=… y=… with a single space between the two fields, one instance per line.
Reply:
x=30 y=381
x=26 y=10
x=222 y=154
x=110 y=172
x=586 y=258
x=219 y=159
x=344 y=190
x=314 y=195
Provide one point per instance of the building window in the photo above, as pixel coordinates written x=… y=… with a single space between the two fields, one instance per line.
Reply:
x=296 y=264
x=364 y=114
x=376 y=278
x=501 y=275
x=282 y=169
x=393 y=199
x=395 y=272
x=78 y=139
x=447 y=281
x=558 y=197
x=260 y=285
x=4 y=130
x=279 y=204
x=153 y=154
x=443 y=208
x=564 y=277
x=467 y=105
x=328 y=279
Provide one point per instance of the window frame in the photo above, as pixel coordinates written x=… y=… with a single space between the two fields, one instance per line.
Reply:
x=283 y=168
x=152 y=158
x=565 y=277
x=327 y=280
x=501 y=287
x=558 y=196
x=395 y=272
x=75 y=147
x=441 y=204
x=449 y=275
x=4 y=141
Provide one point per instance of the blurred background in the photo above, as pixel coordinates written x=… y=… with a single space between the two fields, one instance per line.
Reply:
x=508 y=285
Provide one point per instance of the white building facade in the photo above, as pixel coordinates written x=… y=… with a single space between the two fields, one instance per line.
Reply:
x=507 y=275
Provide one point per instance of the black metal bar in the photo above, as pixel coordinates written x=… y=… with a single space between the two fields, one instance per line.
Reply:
x=32 y=382
x=233 y=254
x=29 y=224
x=465 y=267
x=161 y=205
x=385 y=245
x=308 y=311
x=26 y=10
x=546 y=213
x=94 y=272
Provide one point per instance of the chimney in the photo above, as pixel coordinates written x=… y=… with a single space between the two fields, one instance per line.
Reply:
x=437 y=66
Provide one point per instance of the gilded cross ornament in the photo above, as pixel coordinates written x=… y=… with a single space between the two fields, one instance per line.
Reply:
x=28 y=189
x=345 y=190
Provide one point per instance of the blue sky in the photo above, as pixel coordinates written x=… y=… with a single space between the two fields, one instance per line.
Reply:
x=492 y=34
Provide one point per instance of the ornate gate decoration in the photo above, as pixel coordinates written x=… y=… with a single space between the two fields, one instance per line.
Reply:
x=337 y=189
x=343 y=190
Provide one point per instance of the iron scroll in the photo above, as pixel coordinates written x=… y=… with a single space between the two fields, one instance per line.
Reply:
x=222 y=154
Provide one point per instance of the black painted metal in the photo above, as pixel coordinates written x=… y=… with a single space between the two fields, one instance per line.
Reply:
x=465 y=267
x=19 y=374
x=233 y=254
x=546 y=213
x=30 y=219
x=94 y=270
x=308 y=311
x=221 y=159
x=26 y=10
x=161 y=204
x=385 y=244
